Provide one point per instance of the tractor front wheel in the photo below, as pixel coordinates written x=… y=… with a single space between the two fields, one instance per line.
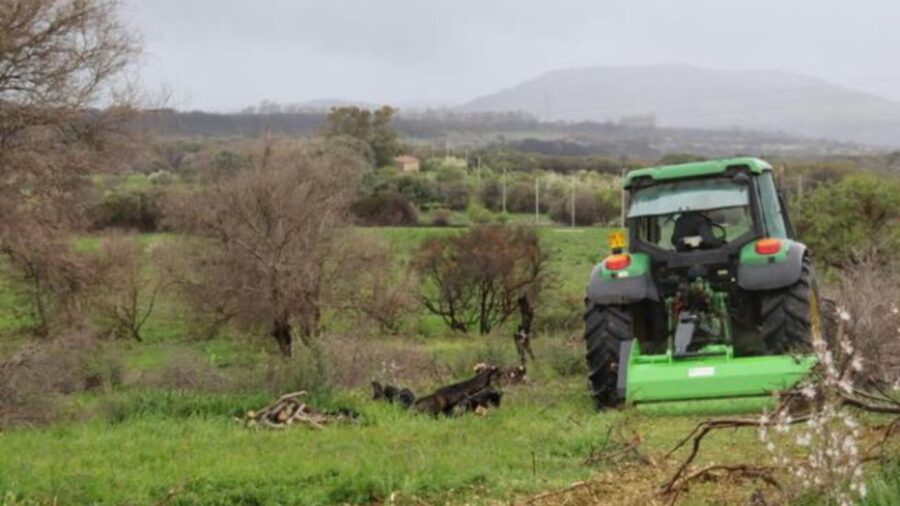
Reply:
x=605 y=327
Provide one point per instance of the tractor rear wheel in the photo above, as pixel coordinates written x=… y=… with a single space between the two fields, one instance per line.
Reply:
x=789 y=315
x=605 y=327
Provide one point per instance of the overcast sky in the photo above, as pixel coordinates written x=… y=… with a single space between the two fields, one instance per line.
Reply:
x=226 y=54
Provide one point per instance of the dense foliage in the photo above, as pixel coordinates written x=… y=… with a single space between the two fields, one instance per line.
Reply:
x=853 y=220
x=373 y=128
x=386 y=209
x=473 y=279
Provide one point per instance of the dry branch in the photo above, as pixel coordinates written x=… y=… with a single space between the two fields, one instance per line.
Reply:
x=617 y=445
x=866 y=401
x=763 y=473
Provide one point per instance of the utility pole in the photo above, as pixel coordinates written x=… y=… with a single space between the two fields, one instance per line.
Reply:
x=504 y=190
x=479 y=172
x=573 y=200
x=537 y=202
x=622 y=199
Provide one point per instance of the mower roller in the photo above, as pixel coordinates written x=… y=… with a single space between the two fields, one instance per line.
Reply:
x=708 y=302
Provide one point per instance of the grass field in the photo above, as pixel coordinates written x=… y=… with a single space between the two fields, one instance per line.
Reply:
x=141 y=447
x=537 y=441
x=165 y=432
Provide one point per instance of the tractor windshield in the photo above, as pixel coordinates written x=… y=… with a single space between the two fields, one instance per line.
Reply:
x=690 y=215
x=697 y=195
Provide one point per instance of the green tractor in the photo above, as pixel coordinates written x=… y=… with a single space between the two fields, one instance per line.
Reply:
x=713 y=301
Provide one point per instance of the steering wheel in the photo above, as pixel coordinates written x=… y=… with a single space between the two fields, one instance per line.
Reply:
x=718 y=231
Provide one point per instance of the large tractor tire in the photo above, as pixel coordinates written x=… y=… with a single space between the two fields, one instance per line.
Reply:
x=605 y=327
x=788 y=316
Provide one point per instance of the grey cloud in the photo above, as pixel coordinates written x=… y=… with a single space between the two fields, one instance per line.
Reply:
x=226 y=54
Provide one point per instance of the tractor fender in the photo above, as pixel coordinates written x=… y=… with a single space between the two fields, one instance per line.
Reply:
x=625 y=287
x=772 y=272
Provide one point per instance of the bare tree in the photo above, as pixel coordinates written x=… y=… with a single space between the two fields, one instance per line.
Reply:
x=59 y=61
x=267 y=234
x=475 y=278
x=127 y=293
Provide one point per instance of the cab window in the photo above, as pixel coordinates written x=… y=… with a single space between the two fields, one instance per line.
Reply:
x=773 y=215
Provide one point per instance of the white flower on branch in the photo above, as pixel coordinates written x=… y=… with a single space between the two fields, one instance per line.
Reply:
x=847 y=346
x=846 y=386
x=808 y=391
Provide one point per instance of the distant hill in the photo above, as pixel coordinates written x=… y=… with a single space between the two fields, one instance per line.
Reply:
x=521 y=132
x=692 y=97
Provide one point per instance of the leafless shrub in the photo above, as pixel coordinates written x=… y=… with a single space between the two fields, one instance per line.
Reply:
x=185 y=371
x=184 y=264
x=34 y=374
x=474 y=278
x=59 y=59
x=266 y=235
x=870 y=298
x=49 y=275
x=127 y=292
x=355 y=361
x=369 y=283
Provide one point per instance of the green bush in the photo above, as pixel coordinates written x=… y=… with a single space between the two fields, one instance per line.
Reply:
x=417 y=189
x=492 y=195
x=586 y=212
x=384 y=209
x=520 y=198
x=479 y=215
x=454 y=195
x=591 y=207
x=134 y=209
x=440 y=217
x=852 y=220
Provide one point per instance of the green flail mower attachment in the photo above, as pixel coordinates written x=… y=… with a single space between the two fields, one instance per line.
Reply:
x=713 y=381
x=699 y=373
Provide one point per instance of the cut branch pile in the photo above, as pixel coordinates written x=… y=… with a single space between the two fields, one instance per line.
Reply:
x=290 y=410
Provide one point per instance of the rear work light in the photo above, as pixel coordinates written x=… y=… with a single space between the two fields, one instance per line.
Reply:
x=768 y=246
x=617 y=262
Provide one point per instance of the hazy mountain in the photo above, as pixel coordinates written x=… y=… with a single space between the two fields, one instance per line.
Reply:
x=685 y=96
x=327 y=103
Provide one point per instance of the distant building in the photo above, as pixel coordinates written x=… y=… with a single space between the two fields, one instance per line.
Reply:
x=406 y=163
